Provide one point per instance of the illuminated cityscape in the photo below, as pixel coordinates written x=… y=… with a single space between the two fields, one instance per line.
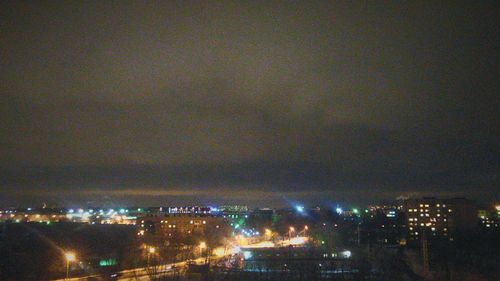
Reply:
x=249 y=140
x=179 y=241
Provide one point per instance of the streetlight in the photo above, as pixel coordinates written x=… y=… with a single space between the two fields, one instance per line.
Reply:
x=70 y=257
x=203 y=245
x=290 y=230
x=151 y=251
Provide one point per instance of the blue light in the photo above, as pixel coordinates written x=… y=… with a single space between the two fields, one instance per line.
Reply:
x=247 y=254
x=300 y=209
x=339 y=210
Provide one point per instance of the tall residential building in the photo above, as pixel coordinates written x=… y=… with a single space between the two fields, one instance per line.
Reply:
x=440 y=218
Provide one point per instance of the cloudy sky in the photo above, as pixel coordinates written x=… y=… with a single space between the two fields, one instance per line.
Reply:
x=255 y=102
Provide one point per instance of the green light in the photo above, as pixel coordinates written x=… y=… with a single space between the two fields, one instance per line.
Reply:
x=323 y=242
x=356 y=211
x=108 y=262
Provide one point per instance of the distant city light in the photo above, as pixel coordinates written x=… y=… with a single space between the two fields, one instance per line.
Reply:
x=247 y=254
x=339 y=210
x=219 y=252
x=346 y=254
x=299 y=209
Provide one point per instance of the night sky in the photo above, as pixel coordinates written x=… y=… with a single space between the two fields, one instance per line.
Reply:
x=262 y=103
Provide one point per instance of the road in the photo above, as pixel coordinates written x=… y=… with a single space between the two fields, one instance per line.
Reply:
x=142 y=274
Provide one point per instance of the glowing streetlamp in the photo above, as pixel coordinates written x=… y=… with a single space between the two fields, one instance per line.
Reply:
x=202 y=246
x=70 y=257
x=151 y=251
x=290 y=230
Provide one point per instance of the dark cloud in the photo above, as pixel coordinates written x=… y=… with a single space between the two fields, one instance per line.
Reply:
x=336 y=98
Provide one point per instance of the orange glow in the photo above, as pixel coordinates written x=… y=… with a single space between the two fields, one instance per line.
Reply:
x=70 y=256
